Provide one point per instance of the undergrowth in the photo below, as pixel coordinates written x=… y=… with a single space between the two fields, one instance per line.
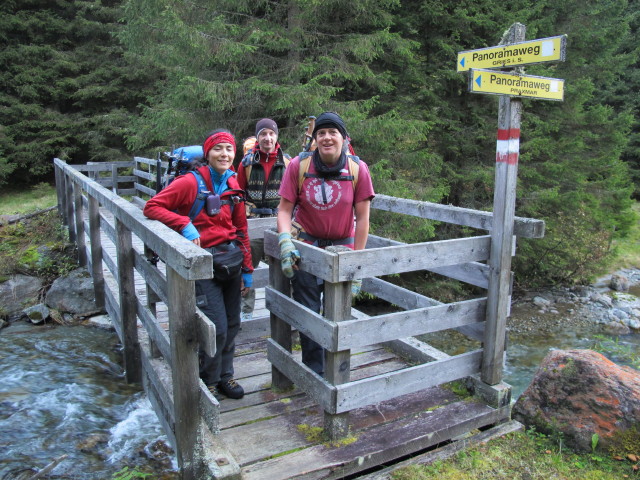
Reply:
x=37 y=246
x=523 y=456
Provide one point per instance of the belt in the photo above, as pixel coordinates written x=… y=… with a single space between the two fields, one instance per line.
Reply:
x=264 y=211
x=325 y=242
x=222 y=247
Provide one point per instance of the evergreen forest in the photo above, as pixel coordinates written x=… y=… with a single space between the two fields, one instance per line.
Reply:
x=104 y=80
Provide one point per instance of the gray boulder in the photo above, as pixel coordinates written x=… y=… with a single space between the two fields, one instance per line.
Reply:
x=37 y=314
x=18 y=292
x=619 y=283
x=73 y=294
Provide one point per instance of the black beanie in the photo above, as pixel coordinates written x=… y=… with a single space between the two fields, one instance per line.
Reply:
x=330 y=120
x=266 y=123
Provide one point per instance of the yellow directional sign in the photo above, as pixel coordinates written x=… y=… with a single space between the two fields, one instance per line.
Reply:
x=514 y=85
x=543 y=50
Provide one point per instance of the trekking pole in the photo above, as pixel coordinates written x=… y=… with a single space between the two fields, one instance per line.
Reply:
x=158 y=173
x=308 y=134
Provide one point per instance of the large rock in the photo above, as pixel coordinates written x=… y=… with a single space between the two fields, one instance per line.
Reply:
x=17 y=293
x=73 y=294
x=579 y=393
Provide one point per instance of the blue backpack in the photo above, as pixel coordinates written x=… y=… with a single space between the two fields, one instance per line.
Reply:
x=180 y=160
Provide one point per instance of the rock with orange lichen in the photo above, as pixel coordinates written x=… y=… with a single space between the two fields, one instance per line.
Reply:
x=579 y=393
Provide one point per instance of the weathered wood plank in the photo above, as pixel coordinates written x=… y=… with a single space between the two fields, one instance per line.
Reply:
x=156 y=333
x=524 y=227
x=301 y=318
x=504 y=201
x=127 y=296
x=102 y=166
x=337 y=307
x=473 y=273
x=305 y=378
x=377 y=445
x=186 y=384
x=385 y=261
x=415 y=350
x=447 y=451
x=410 y=323
x=384 y=387
x=409 y=258
x=96 y=251
x=144 y=189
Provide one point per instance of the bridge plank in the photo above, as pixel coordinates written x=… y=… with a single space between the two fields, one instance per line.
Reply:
x=372 y=447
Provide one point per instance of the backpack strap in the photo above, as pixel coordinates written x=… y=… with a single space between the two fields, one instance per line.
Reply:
x=201 y=196
x=247 y=162
x=305 y=161
x=203 y=193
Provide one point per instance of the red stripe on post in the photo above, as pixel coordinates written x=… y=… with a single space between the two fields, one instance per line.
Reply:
x=510 y=134
x=508 y=158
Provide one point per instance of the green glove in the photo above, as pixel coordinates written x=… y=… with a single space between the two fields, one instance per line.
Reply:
x=356 y=285
x=288 y=254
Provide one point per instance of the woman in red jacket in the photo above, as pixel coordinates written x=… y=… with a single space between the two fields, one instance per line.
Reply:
x=220 y=228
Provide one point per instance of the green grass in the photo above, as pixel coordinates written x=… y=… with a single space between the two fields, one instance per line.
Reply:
x=26 y=200
x=628 y=249
x=522 y=455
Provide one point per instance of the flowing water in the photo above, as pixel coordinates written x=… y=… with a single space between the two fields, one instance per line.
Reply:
x=63 y=393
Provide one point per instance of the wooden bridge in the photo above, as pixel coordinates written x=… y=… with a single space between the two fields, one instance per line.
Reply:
x=385 y=396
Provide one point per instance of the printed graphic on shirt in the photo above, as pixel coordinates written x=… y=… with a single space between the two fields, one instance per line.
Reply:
x=324 y=195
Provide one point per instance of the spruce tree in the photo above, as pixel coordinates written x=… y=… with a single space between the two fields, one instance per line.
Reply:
x=67 y=89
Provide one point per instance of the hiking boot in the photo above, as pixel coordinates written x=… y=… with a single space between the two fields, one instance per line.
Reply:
x=213 y=389
x=231 y=389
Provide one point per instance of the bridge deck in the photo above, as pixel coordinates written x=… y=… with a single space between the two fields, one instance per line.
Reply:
x=278 y=435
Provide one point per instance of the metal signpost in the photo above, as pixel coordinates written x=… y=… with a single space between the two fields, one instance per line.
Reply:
x=511 y=86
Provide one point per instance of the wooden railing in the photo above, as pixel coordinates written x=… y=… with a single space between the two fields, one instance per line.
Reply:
x=167 y=362
x=338 y=332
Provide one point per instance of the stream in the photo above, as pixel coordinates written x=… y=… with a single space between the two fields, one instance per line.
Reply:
x=63 y=392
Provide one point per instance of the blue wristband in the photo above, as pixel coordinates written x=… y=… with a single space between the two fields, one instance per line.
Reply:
x=247 y=278
x=190 y=232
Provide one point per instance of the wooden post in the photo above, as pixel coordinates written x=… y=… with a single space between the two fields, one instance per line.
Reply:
x=152 y=298
x=337 y=307
x=126 y=288
x=280 y=330
x=68 y=193
x=507 y=153
x=96 y=251
x=184 y=354
x=59 y=187
x=114 y=179
x=80 y=239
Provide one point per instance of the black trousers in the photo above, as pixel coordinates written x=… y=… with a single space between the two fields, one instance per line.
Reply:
x=308 y=292
x=220 y=302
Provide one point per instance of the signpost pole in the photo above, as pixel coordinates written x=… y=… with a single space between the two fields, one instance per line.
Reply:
x=498 y=300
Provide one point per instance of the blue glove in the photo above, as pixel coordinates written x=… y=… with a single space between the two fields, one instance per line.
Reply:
x=190 y=232
x=247 y=278
x=288 y=254
x=356 y=285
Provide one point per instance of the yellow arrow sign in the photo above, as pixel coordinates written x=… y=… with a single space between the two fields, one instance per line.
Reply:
x=512 y=84
x=543 y=50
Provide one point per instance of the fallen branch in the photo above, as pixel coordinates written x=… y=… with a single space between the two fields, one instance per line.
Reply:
x=48 y=468
x=29 y=215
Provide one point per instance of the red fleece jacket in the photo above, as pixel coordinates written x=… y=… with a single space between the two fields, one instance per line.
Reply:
x=172 y=205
